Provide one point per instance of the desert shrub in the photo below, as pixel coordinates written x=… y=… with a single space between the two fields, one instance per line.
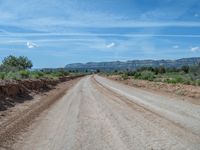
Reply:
x=176 y=79
x=2 y=75
x=179 y=79
x=124 y=76
x=137 y=75
x=24 y=73
x=198 y=82
x=185 y=69
x=13 y=76
x=57 y=74
x=170 y=80
x=36 y=74
x=98 y=70
x=63 y=72
x=145 y=75
x=172 y=69
x=161 y=70
x=40 y=74
x=6 y=68
x=130 y=73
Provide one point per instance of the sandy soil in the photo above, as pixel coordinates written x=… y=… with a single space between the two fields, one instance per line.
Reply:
x=100 y=114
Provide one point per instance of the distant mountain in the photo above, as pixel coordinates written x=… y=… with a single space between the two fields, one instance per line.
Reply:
x=132 y=64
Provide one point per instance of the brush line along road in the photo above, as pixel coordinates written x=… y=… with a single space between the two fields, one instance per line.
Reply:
x=100 y=114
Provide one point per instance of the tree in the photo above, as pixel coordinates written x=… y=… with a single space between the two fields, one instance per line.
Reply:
x=20 y=62
x=115 y=71
x=98 y=70
x=185 y=69
x=161 y=70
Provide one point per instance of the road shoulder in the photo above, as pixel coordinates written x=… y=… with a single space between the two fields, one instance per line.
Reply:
x=18 y=118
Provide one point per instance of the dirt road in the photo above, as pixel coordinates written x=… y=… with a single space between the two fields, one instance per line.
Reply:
x=100 y=114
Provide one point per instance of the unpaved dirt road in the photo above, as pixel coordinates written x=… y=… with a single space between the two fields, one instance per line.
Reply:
x=100 y=114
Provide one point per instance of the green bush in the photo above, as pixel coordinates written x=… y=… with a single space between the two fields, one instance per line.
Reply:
x=13 y=76
x=198 y=82
x=37 y=74
x=185 y=69
x=179 y=79
x=24 y=73
x=58 y=74
x=124 y=76
x=2 y=75
x=6 y=68
x=189 y=75
x=137 y=75
x=145 y=75
x=130 y=73
x=176 y=79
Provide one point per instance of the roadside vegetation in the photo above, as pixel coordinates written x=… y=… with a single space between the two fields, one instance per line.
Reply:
x=17 y=68
x=189 y=75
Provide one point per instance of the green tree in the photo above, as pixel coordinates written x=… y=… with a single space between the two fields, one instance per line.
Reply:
x=98 y=70
x=161 y=70
x=185 y=69
x=20 y=62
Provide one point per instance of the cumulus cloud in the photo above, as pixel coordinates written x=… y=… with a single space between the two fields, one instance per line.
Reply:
x=31 y=45
x=110 y=45
x=176 y=46
x=194 y=49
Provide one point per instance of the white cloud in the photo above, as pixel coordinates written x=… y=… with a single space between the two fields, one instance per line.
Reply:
x=75 y=16
x=176 y=46
x=8 y=34
x=110 y=45
x=31 y=45
x=194 y=49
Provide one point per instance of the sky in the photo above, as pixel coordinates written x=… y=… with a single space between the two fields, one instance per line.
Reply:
x=53 y=33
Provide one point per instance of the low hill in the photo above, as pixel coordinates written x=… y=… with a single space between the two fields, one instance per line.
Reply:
x=131 y=64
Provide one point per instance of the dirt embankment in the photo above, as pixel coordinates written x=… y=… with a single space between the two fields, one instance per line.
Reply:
x=15 y=120
x=12 y=92
x=189 y=91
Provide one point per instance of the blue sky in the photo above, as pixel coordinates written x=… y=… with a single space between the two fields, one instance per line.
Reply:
x=53 y=33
